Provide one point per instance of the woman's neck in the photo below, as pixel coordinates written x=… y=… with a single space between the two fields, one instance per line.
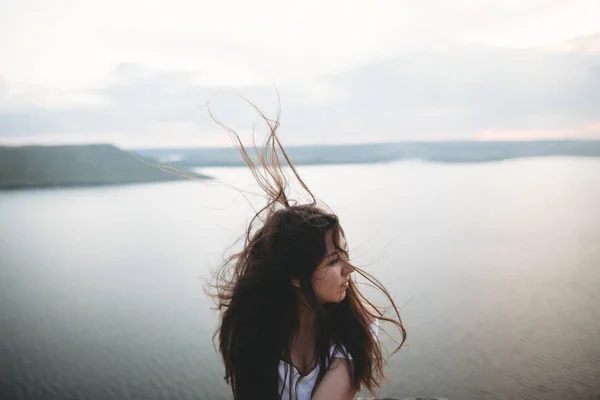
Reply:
x=302 y=346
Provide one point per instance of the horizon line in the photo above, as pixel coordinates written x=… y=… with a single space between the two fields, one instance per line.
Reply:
x=99 y=143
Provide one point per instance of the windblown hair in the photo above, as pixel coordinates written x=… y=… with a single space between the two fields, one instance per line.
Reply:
x=260 y=308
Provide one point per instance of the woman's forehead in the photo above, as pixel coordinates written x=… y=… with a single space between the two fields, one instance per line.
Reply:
x=340 y=240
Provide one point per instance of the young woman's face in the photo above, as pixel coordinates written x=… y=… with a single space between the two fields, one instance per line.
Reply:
x=332 y=277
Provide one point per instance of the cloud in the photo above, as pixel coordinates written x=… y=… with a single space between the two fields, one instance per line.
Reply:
x=444 y=93
x=76 y=44
x=584 y=44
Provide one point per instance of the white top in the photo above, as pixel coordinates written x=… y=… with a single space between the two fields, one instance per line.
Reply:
x=303 y=389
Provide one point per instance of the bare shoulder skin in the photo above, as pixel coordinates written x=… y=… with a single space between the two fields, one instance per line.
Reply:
x=337 y=382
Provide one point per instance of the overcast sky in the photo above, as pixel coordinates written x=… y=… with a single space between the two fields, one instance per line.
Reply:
x=137 y=73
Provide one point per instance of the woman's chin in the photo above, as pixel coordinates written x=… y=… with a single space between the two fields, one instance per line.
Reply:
x=340 y=298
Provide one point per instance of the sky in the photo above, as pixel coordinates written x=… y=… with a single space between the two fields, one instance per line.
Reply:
x=140 y=74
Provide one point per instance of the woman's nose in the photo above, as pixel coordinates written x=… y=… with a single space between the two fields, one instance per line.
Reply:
x=348 y=269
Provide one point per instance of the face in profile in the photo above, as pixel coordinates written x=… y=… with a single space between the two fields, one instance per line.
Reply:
x=331 y=278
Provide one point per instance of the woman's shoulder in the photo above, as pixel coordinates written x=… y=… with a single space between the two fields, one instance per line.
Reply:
x=371 y=314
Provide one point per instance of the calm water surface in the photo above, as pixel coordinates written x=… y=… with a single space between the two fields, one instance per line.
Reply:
x=496 y=267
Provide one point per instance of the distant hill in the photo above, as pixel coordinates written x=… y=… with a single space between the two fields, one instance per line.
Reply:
x=49 y=166
x=447 y=152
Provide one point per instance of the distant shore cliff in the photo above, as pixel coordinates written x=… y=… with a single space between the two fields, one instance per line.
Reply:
x=441 y=152
x=103 y=164
x=85 y=165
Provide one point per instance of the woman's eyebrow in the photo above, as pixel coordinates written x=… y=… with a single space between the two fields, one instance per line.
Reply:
x=336 y=253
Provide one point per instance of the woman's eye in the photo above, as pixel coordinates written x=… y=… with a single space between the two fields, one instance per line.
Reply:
x=334 y=260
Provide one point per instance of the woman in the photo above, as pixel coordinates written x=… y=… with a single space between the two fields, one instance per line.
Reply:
x=294 y=325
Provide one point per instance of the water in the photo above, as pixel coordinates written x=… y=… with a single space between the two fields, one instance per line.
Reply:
x=496 y=267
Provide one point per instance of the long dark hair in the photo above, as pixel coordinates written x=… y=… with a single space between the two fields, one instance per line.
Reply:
x=259 y=306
